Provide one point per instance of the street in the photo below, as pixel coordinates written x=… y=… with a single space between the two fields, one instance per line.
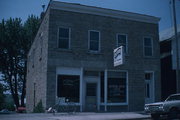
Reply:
x=76 y=116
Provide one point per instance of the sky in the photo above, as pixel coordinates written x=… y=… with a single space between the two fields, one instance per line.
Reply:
x=157 y=8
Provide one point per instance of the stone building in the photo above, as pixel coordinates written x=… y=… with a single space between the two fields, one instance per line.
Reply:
x=72 y=58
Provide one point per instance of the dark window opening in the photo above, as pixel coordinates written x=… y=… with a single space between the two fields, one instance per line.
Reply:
x=94 y=40
x=117 y=87
x=64 y=38
x=68 y=87
x=122 y=41
x=148 y=47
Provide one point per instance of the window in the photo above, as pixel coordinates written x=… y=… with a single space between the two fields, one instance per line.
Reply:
x=68 y=87
x=64 y=38
x=173 y=97
x=148 y=46
x=117 y=87
x=122 y=41
x=148 y=76
x=94 y=40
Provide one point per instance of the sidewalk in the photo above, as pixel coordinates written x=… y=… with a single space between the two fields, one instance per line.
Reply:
x=77 y=116
x=103 y=116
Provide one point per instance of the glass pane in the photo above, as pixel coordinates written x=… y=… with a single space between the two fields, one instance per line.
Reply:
x=147 y=42
x=116 y=87
x=174 y=97
x=64 y=32
x=122 y=39
x=94 y=46
x=147 y=91
x=148 y=76
x=68 y=87
x=63 y=43
x=94 y=35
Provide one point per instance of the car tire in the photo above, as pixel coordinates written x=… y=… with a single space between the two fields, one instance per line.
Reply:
x=155 y=116
x=173 y=114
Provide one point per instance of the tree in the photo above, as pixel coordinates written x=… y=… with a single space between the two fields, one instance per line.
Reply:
x=30 y=29
x=1 y=96
x=15 y=42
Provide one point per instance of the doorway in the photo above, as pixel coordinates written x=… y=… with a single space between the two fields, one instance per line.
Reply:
x=149 y=87
x=91 y=97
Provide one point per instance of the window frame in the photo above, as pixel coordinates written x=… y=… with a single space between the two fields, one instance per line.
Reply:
x=117 y=44
x=152 y=82
x=69 y=39
x=95 y=51
x=148 y=46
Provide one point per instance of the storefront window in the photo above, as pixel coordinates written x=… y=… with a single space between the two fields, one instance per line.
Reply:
x=68 y=87
x=117 y=87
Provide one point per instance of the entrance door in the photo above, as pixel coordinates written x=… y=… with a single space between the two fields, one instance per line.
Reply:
x=91 y=97
x=149 y=87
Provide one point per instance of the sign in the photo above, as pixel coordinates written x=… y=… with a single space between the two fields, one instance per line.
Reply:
x=119 y=56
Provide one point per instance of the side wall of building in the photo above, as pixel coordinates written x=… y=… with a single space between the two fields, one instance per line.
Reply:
x=37 y=67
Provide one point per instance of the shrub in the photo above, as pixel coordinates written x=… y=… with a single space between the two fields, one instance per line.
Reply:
x=39 y=108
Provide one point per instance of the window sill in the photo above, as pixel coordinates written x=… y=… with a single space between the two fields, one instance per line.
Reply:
x=148 y=57
x=64 y=50
x=94 y=52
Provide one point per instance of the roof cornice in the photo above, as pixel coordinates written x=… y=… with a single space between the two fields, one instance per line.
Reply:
x=103 y=12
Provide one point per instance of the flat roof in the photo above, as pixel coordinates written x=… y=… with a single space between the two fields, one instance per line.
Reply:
x=73 y=7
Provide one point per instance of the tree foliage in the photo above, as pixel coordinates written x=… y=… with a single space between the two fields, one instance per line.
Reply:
x=2 y=96
x=39 y=108
x=15 y=42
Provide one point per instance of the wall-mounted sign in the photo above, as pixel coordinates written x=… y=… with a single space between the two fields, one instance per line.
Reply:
x=118 y=56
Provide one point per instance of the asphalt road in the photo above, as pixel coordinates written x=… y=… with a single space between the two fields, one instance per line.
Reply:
x=76 y=116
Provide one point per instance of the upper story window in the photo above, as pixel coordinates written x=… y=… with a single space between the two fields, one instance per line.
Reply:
x=122 y=41
x=148 y=46
x=64 y=38
x=94 y=40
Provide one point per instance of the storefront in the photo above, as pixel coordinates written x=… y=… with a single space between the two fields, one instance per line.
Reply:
x=92 y=90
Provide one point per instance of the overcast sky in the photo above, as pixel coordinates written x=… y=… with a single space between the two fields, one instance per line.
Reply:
x=158 y=8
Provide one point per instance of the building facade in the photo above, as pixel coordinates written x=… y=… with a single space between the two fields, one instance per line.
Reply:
x=72 y=58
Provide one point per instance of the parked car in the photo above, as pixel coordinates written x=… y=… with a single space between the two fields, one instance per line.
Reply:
x=170 y=107
x=21 y=110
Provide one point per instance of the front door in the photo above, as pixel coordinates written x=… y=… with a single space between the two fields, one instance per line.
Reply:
x=149 y=88
x=91 y=97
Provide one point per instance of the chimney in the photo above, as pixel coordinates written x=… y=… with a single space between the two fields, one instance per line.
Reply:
x=43 y=12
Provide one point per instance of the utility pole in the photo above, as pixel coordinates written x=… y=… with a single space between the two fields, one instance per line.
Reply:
x=177 y=49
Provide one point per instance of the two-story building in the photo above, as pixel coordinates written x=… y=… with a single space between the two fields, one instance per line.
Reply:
x=72 y=58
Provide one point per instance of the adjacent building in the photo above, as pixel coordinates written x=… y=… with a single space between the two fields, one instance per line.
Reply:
x=168 y=61
x=72 y=58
